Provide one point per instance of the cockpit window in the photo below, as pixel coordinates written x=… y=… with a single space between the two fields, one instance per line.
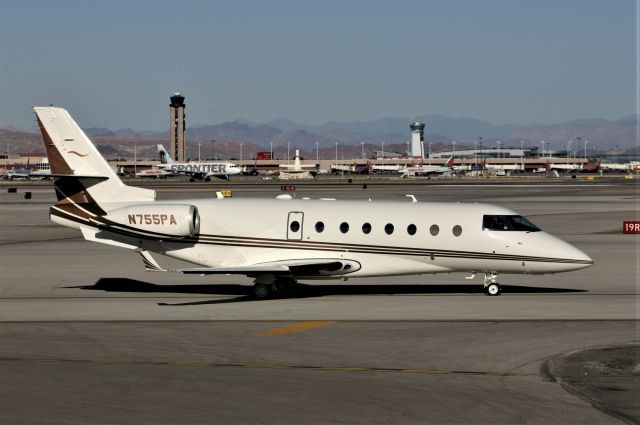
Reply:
x=509 y=223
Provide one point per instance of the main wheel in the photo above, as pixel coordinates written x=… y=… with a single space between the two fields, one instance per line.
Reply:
x=261 y=291
x=492 y=289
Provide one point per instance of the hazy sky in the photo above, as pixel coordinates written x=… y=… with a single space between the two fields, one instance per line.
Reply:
x=115 y=63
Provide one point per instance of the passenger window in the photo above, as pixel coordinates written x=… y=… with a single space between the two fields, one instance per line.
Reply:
x=294 y=226
x=457 y=230
x=411 y=229
x=388 y=229
x=366 y=228
x=434 y=230
x=344 y=227
x=319 y=227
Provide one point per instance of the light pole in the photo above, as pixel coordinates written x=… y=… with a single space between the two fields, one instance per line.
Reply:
x=522 y=154
x=585 y=149
x=317 y=151
x=271 y=149
x=199 y=144
x=429 y=151
x=362 y=149
x=542 y=147
x=475 y=154
x=568 y=149
x=135 y=158
x=241 y=146
x=453 y=150
x=288 y=157
x=382 y=153
x=336 y=152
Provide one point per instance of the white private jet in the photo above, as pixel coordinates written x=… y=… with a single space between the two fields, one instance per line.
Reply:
x=278 y=241
x=197 y=170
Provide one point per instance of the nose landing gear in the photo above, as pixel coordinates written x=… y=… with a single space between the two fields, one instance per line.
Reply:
x=491 y=285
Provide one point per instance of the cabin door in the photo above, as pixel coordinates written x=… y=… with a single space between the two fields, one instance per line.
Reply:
x=294 y=225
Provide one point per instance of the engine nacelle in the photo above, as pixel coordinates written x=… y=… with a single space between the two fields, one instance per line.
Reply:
x=178 y=220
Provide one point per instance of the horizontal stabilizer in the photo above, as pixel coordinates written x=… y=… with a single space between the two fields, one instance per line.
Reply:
x=95 y=235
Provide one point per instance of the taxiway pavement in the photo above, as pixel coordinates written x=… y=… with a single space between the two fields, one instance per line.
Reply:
x=98 y=340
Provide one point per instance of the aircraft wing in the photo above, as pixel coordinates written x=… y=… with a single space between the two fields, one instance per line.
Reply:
x=302 y=267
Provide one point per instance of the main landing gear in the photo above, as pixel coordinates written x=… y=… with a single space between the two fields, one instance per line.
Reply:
x=491 y=285
x=267 y=286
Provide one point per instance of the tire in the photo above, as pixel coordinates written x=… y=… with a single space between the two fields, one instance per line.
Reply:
x=261 y=291
x=493 y=289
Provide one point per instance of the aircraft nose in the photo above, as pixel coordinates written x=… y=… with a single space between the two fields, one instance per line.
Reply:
x=580 y=260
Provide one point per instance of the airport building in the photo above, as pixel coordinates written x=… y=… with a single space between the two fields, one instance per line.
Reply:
x=489 y=153
x=177 y=127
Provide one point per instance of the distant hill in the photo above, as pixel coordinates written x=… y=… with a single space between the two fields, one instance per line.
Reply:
x=350 y=136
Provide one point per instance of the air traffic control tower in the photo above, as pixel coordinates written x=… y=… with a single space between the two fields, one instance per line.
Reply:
x=417 y=139
x=177 y=127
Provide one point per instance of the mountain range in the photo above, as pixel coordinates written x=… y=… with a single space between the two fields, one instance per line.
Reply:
x=352 y=137
x=439 y=129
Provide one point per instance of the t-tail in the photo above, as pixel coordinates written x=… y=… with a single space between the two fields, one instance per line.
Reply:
x=84 y=182
x=165 y=158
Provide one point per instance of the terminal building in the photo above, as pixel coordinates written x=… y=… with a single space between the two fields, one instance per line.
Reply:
x=489 y=153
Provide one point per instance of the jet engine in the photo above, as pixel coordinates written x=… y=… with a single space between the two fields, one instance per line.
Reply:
x=178 y=220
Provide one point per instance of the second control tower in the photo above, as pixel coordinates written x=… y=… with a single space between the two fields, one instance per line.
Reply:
x=417 y=139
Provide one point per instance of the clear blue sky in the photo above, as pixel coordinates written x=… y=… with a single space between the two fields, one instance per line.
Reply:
x=115 y=63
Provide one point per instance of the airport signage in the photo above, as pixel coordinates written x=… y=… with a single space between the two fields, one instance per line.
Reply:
x=631 y=227
x=288 y=188
x=199 y=168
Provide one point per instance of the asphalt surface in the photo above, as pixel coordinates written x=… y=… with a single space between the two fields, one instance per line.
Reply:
x=607 y=377
x=98 y=340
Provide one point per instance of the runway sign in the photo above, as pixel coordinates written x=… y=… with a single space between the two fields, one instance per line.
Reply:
x=631 y=227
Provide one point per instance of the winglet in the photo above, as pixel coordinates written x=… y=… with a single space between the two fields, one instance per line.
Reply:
x=150 y=264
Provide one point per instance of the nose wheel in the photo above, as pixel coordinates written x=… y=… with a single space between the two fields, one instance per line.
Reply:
x=492 y=289
x=491 y=285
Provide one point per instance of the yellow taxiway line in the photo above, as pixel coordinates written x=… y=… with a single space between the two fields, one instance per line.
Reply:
x=297 y=327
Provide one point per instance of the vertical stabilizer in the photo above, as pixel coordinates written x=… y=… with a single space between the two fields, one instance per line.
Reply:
x=165 y=157
x=81 y=174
